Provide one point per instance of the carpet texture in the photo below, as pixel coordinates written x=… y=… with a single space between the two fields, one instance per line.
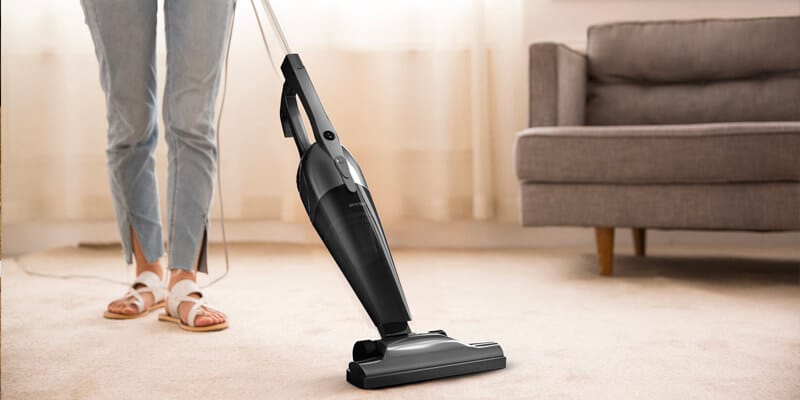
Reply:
x=685 y=324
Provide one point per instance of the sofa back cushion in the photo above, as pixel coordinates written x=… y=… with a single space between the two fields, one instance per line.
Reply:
x=674 y=72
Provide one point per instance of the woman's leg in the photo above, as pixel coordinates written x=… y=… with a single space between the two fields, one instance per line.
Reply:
x=124 y=35
x=197 y=35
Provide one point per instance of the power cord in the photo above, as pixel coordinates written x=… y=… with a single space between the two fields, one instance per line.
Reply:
x=30 y=272
x=277 y=28
x=219 y=154
x=263 y=37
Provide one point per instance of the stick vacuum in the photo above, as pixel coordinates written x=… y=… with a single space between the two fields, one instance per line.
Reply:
x=338 y=202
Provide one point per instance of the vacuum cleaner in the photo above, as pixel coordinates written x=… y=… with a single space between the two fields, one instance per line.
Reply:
x=338 y=202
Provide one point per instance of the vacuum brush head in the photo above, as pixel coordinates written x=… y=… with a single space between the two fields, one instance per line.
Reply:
x=415 y=357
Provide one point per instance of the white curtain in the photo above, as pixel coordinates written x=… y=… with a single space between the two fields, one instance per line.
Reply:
x=426 y=94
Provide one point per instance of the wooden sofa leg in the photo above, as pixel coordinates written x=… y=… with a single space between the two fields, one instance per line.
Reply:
x=605 y=249
x=639 y=241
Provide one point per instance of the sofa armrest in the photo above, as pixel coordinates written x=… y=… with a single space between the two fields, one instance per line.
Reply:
x=557 y=85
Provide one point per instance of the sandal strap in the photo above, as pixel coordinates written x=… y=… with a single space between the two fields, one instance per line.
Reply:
x=180 y=293
x=199 y=304
x=138 y=301
x=152 y=284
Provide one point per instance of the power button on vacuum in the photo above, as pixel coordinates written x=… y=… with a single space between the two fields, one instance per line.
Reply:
x=328 y=135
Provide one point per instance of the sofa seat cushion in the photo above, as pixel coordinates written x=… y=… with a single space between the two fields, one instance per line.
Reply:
x=691 y=153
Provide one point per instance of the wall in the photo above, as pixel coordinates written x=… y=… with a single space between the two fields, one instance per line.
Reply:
x=407 y=83
x=544 y=20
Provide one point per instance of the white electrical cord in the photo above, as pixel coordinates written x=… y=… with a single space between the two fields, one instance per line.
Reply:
x=219 y=154
x=30 y=272
x=276 y=28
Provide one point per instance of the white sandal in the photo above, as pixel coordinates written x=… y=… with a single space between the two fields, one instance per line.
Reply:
x=151 y=283
x=179 y=294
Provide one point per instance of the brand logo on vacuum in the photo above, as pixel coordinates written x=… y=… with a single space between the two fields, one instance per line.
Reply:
x=359 y=204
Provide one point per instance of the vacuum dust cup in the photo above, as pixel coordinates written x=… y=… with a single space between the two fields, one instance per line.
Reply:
x=338 y=202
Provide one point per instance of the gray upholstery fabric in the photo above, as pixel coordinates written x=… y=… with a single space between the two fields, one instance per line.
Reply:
x=694 y=50
x=557 y=85
x=743 y=206
x=681 y=147
x=769 y=99
x=734 y=152
x=682 y=72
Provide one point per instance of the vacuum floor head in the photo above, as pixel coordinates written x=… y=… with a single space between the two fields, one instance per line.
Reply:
x=419 y=357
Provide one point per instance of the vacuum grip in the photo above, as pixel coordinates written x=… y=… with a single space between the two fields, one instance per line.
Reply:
x=291 y=121
x=298 y=84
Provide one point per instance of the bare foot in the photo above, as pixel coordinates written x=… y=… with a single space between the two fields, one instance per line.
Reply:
x=126 y=306
x=205 y=316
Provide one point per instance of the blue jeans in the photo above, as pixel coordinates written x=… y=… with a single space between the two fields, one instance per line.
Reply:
x=124 y=35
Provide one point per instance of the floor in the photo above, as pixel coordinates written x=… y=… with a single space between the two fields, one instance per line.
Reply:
x=681 y=323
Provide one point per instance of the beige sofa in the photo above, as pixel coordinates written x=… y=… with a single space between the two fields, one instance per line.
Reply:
x=665 y=125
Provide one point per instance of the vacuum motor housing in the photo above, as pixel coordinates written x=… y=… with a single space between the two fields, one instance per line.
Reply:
x=348 y=224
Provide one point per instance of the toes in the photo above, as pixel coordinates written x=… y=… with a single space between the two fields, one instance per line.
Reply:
x=116 y=307
x=207 y=317
x=127 y=306
x=204 y=316
x=218 y=317
x=203 y=320
x=130 y=309
x=124 y=307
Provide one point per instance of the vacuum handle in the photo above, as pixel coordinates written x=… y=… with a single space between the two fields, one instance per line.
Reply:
x=298 y=84
x=291 y=122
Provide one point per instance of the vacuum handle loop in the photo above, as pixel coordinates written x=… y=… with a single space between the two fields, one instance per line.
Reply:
x=298 y=84
x=291 y=122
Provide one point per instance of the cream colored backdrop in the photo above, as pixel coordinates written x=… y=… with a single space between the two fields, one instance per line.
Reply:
x=426 y=94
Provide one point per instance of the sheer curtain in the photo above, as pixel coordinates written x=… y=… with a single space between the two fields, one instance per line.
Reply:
x=426 y=94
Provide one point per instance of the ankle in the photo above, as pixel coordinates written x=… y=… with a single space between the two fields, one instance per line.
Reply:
x=154 y=267
x=177 y=275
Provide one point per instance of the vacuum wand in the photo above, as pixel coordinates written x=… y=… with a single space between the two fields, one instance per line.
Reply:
x=337 y=199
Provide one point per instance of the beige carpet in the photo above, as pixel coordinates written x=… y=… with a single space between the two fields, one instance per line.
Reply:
x=680 y=324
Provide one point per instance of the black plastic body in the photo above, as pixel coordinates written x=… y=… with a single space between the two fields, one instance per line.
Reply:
x=338 y=202
x=350 y=228
x=419 y=357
